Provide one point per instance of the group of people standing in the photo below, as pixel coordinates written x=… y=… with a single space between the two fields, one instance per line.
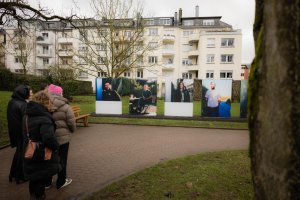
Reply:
x=50 y=120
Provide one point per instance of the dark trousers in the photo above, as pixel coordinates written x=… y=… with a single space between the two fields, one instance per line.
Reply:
x=37 y=187
x=63 y=154
x=213 y=111
x=16 y=169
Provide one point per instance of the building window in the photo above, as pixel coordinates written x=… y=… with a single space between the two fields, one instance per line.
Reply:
x=153 y=44
x=242 y=74
x=210 y=58
x=45 y=61
x=208 y=22
x=227 y=42
x=164 y=22
x=102 y=33
x=83 y=35
x=127 y=33
x=187 y=75
x=45 y=35
x=186 y=62
x=152 y=59
x=101 y=47
x=226 y=74
x=45 y=49
x=101 y=60
x=150 y=22
x=153 y=31
x=83 y=48
x=187 y=33
x=227 y=58
x=102 y=74
x=126 y=74
x=17 y=60
x=83 y=74
x=64 y=61
x=188 y=22
x=210 y=43
x=139 y=74
x=210 y=74
x=66 y=34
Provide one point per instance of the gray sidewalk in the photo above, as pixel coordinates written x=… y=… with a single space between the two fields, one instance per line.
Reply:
x=101 y=154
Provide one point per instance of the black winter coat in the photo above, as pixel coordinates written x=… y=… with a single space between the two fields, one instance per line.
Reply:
x=15 y=112
x=41 y=128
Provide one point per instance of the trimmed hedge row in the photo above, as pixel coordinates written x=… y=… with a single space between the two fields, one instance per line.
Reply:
x=9 y=80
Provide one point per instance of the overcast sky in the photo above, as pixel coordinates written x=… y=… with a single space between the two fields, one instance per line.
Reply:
x=238 y=13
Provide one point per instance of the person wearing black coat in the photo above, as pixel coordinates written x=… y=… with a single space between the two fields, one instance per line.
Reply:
x=15 y=112
x=182 y=94
x=41 y=128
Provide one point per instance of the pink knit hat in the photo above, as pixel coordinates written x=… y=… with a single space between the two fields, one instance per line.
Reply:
x=54 y=89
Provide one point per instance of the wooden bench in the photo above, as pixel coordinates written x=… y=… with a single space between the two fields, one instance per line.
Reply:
x=80 y=118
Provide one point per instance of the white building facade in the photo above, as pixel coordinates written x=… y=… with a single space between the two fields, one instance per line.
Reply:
x=189 y=48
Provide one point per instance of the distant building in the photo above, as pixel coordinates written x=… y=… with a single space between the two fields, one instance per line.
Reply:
x=245 y=71
x=192 y=47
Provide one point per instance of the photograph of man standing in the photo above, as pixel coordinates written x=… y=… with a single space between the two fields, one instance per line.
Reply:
x=212 y=98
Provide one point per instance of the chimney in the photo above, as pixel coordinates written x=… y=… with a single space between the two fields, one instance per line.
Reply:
x=197 y=11
x=175 y=18
x=180 y=16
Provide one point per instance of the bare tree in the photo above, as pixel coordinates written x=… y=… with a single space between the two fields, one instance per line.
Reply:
x=21 y=45
x=19 y=10
x=113 y=41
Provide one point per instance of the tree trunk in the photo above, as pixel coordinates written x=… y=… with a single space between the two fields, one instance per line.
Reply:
x=274 y=100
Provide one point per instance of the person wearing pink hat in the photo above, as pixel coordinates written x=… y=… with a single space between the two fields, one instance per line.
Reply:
x=65 y=125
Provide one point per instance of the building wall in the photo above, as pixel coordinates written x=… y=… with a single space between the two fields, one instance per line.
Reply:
x=182 y=50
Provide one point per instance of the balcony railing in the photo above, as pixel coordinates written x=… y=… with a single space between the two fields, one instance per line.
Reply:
x=65 y=52
x=168 y=38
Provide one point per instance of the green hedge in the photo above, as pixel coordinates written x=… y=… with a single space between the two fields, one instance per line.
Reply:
x=9 y=80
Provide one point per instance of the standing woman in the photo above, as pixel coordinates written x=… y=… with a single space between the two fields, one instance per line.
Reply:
x=15 y=112
x=41 y=128
x=182 y=94
x=65 y=125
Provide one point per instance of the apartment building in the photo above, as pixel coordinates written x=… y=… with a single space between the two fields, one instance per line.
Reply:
x=185 y=47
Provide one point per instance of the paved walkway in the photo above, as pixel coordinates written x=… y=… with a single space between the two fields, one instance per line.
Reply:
x=101 y=154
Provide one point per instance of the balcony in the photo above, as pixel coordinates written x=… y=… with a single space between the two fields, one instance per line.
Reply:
x=168 y=52
x=43 y=40
x=65 y=52
x=194 y=38
x=65 y=40
x=193 y=53
x=168 y=38
x=192 y=67
x=45 y=54
x=167 y=66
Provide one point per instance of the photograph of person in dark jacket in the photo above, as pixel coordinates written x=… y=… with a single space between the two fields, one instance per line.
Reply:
x=41 y=128
x=182 y=94
x=108 y=94
x=15 y=112
x=65 y=125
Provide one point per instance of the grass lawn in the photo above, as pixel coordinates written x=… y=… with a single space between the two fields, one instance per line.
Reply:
x=218 y=175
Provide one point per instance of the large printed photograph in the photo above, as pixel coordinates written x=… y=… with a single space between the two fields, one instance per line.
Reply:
x=180 y=91
x=142 y=97
x=244 y=99
x=108 y=89
x=216 y=98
